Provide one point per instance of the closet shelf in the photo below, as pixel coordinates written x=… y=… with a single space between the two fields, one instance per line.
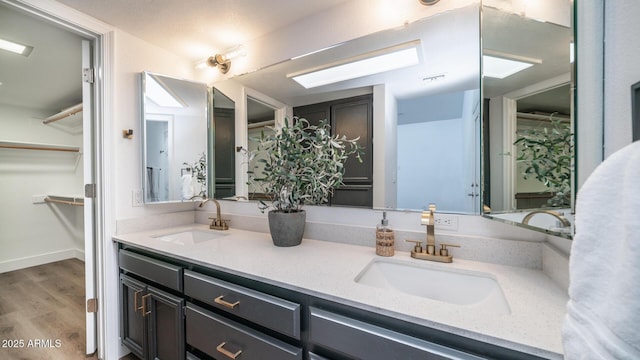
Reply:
x=38 y=146
x=63 y=114
x=65 y=199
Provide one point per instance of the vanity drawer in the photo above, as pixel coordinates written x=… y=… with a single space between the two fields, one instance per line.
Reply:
x=269 y=311
x=157 y=271
x=222 y=338
x=366 y=341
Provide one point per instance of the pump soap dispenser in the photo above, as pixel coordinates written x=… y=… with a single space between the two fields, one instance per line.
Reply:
x=384 y=237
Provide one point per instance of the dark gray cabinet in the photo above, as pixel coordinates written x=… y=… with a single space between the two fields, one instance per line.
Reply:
x=269 y=311
x=360 y=340
x=152 y=321
x=351 y=117
x=220 y=315
x=224 y=152
x=223 y=338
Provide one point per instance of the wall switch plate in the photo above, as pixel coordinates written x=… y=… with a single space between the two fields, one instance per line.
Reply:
x=38 y=199
x=446 y=222
x=136 y=198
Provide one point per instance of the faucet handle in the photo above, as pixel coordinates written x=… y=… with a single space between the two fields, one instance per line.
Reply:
x=418 y=247
x=443 y=248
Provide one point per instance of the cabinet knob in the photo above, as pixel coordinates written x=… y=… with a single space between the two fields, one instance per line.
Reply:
x=226 y=352
x=135 y=301
x=144 y=305
x=220 y=300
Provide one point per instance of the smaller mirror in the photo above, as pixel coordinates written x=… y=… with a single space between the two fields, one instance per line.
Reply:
x=174 y=146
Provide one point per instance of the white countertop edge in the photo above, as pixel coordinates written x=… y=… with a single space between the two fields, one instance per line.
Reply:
x=144 y=240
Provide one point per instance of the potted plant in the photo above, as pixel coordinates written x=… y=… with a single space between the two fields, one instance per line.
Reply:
x=301 y=164
x=547 y=155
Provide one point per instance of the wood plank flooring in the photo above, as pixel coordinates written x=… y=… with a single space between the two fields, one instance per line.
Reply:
x=42 y=314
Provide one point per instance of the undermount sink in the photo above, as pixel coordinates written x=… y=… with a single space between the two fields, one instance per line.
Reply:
x=190 y=237
x=459 y=287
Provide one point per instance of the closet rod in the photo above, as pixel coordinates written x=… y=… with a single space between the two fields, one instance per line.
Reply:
x=63 y=114
x=66 y=202
x=39 y=147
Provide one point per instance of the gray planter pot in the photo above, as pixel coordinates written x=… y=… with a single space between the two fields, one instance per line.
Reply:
x=287 y=228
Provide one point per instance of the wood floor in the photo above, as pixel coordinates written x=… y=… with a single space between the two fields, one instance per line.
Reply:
x=42 y=313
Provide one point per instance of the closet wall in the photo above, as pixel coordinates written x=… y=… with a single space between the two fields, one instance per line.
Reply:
x=33 y=234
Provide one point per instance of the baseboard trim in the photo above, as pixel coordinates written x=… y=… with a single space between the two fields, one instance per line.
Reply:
x=40 y=259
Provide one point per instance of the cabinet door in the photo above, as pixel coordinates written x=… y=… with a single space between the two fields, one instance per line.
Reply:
x=132 y=327
x=165 y=318
x=225 y=153
x=354 y=118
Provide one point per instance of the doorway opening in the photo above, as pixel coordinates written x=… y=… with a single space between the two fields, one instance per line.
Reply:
x=46 y=158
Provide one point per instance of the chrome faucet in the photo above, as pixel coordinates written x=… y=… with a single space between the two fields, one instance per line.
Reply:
x=429 y=252
x=563 y=220
x=217 y=223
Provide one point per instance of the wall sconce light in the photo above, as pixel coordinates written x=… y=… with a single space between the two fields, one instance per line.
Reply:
x=223 y=61
x=220 y=61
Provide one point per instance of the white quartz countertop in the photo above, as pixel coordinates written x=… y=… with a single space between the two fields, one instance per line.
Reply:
x=328 y=269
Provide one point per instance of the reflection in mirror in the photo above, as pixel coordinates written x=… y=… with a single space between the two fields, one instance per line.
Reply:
x=412 y=165
x=260 y=120
x=174 y=121
x=223 y=138
x=528 y=150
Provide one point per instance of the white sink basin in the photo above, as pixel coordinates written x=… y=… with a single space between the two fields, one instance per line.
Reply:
x=190 y=237
x=454 y=286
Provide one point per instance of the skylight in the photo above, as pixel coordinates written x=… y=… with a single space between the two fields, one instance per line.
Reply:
x=368 y=64
x=16 y=48
x=161 y=95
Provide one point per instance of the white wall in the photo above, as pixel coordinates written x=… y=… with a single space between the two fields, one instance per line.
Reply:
x=621 y=70
x=133 y=56
x=33 y=234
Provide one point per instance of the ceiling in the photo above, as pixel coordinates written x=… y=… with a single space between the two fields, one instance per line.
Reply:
x=50 y=77
x=197 y=29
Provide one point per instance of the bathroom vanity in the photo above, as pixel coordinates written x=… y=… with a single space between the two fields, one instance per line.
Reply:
x=191 y=293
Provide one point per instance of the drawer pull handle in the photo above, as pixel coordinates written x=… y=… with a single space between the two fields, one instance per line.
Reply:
x=226 y=352
x=144 y=305
x=221 y=301
x=135 y=301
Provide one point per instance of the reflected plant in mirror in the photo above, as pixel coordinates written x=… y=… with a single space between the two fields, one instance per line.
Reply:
x=545 y=153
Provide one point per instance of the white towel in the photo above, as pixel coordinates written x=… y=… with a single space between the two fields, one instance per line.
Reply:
x=603 y=313
x=187 y=187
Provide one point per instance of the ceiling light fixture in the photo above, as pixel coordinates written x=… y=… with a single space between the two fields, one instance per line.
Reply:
x=16 y=48
x=375 y=62
x=500 y=65
x=158 y=92
x=223 y=61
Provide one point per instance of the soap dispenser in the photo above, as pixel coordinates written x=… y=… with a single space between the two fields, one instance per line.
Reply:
x=385 y=240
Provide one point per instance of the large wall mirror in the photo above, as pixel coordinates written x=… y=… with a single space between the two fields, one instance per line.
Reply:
x=425 y=120
x=174 y=146
x=529 y=119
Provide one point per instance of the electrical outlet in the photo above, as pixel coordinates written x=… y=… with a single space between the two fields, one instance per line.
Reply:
x=136 y=198
x=446 y=222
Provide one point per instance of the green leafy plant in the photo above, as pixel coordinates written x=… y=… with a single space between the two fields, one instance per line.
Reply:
x=199 y=169
x=547 y=153
x=302 y=164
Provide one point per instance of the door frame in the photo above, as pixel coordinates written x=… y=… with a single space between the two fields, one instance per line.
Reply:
x=102 y=37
